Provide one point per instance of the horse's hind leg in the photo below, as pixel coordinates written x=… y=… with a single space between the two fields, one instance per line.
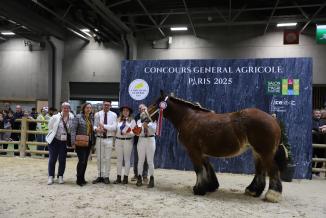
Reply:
x=258 y=184
x=274 y=193
x=212 y=184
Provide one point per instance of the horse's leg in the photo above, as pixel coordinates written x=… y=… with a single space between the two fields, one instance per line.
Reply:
x=212 y=179
x=197 y=159
x=274 y=193
x=258 y=184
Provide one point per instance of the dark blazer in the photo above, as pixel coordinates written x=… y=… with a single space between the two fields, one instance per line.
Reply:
x=79 y=128
x=316 y=123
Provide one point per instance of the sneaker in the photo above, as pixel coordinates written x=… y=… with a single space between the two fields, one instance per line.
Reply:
x=50 y=180
x=61 y=180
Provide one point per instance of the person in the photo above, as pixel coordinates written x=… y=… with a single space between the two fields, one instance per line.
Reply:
x=57 y=137
x=105 y=124
x=17 y=125
x=318 y=135
x=83 y=125
x=2 y=126
x=41 y=126
x=123 y=143
x=146 y=147
x=32 y=125
x=141 y=108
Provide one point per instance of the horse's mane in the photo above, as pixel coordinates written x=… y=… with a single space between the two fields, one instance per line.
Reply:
x=195 y=106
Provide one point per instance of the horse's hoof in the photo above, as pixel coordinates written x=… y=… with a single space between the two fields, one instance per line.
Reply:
x=198 y=191
x=212 y=187
x=250 y=193
x=273 y=196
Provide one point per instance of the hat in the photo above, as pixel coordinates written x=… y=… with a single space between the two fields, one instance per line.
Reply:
x=129 y=108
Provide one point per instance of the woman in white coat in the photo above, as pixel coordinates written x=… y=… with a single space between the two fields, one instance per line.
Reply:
x=146 y=147
x=58 y=139
x=124 y=142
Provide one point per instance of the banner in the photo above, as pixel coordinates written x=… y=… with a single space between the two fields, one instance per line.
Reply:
x=280 y=85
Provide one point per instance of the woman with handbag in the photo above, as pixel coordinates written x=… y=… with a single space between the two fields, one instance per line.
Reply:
x=57 y=138
x=82 y=139
x=123 y=142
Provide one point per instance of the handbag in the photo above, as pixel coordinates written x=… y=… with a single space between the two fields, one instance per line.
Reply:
x=82 y=140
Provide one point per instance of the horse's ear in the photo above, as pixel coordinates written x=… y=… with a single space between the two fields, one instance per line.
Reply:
x=162 y=93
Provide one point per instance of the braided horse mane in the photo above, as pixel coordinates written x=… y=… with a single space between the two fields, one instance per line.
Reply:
x=195 y=106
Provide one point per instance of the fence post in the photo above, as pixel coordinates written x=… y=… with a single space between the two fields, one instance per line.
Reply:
x=23 y=137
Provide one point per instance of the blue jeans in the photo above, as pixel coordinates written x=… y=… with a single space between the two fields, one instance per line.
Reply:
x=57 y=149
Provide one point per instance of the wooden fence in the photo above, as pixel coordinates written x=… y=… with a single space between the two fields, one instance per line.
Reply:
x=23 y=143
x=315 y=160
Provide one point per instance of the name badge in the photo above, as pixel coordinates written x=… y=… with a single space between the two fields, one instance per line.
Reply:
x=63 y=137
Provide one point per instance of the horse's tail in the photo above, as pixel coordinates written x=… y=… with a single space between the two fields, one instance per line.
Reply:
x=281 y=157
x=282 y=153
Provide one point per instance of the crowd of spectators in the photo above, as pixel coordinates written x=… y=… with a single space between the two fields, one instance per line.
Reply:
x=319 y=134
x=9 y=120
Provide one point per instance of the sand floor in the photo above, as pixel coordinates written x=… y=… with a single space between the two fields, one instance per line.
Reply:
x=24 y=193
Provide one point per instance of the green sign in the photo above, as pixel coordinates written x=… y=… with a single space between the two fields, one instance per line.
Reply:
x=321 y=34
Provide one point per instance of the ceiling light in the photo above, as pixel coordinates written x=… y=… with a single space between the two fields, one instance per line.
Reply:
x=321 y=27
x=179 y=28
x=8 y=33
x=86 y=31
x=286 y=24
x=96 y=30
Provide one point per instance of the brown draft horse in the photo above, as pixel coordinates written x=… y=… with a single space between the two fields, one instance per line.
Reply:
x=205 y=133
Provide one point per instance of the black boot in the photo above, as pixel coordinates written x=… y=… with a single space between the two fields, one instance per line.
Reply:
x=139 y=181
x=118 y=180
x=125 y=180
x=79 y=182
x=151 y=182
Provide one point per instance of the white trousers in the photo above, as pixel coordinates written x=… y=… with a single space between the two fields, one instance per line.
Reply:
x=103 y=154
x=123 y=150
x=146 y=148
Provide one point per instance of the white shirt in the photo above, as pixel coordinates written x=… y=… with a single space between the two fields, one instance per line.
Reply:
x=123 y=134
x=111 y=125
x=151 y=128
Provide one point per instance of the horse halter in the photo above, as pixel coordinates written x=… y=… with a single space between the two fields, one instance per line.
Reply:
x=158 y=109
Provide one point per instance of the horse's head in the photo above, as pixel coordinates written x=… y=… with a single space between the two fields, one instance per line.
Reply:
x=153 y=109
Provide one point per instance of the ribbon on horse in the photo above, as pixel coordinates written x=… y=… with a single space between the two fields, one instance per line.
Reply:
x=162 y=106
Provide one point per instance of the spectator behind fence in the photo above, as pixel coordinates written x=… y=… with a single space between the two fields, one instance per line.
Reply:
x=17 y=125
x=57 y=138
x=318 y=135
x=42 y=127
x=2 y=126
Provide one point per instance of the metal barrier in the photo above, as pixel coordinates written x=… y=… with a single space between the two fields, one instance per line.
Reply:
x=24 y=137
x=315 y=160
